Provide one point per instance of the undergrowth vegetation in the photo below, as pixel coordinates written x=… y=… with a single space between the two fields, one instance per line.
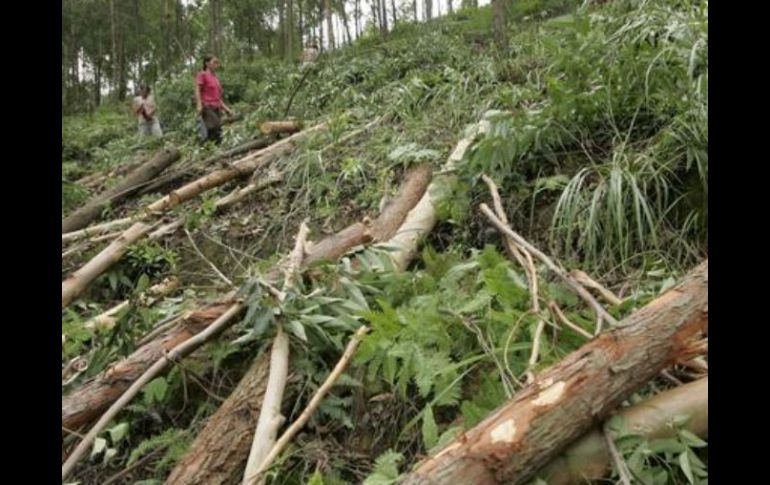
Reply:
x=598 y=141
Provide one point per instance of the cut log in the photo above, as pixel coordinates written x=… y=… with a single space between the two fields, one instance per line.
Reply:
x=97 y=229
x=107 y=319
x=86 y=403
x=90 y=400
x=572 y=396
x=73 y=286
x=178 y=352
x=81 y=217
x=270 y=417
x=202 y=458
x=274 y=127
x=223 y=444
x=78 y=281
x=241 y=193
x=422 y=217
x=589 y=457
x=170 y=178
x=239 y=168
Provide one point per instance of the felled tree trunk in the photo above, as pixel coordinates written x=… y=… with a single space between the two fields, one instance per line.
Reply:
x=78 y=281
x=90 y=400
x=226 y=437
x=589 y=458
x=568 y=399
x=74 y=285
x=271 y=127
x=81 y=217
x=86 y=403
x=239 y=168
x=170 y=178
x=204 y=464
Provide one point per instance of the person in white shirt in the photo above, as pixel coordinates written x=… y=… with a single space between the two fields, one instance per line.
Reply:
x=145 y=112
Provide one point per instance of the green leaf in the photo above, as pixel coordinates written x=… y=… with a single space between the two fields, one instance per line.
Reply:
x=316 y=479
x=297 y=329
x=429 y=429
x=99 y=445
x=666 y=445
x=385 y=470
x=143 y=283
x=691 y=439
x=684 y=463
x=155 y=391
x=118 y=432
x=446 y=437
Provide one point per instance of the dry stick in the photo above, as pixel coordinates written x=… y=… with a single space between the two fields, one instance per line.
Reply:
x=588 y=282
x=270 y=418
x=287 y=436
x=529 y=267
x=241 y=192
x=141 y=461
x=204 y=258
x=77 y=282
x=620 y=465
x=181 y=350
x=582 y=292
x=498 y=205
x=565 y=321
x=106 y=319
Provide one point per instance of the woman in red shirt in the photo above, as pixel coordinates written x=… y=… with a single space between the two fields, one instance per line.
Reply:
x=208 y=95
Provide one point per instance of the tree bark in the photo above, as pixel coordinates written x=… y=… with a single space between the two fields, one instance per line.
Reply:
x=92 y=209
x=77 y=282
x=222 y=446
x=570 y=397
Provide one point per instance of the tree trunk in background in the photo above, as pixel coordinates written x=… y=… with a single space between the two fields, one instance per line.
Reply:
x=428 y=9
x=345 y=22
x=449 y=5
x=216 y=27
x=384 y=16
x=393 y=10
x=357 y=16
x=329 y=28
x=289 y=29
x=500 y=23
x=320 y=26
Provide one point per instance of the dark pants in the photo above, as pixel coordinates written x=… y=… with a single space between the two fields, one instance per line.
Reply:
x=212 y=120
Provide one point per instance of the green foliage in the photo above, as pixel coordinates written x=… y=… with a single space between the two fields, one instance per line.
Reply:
x=662 y=461
x=385 y=470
